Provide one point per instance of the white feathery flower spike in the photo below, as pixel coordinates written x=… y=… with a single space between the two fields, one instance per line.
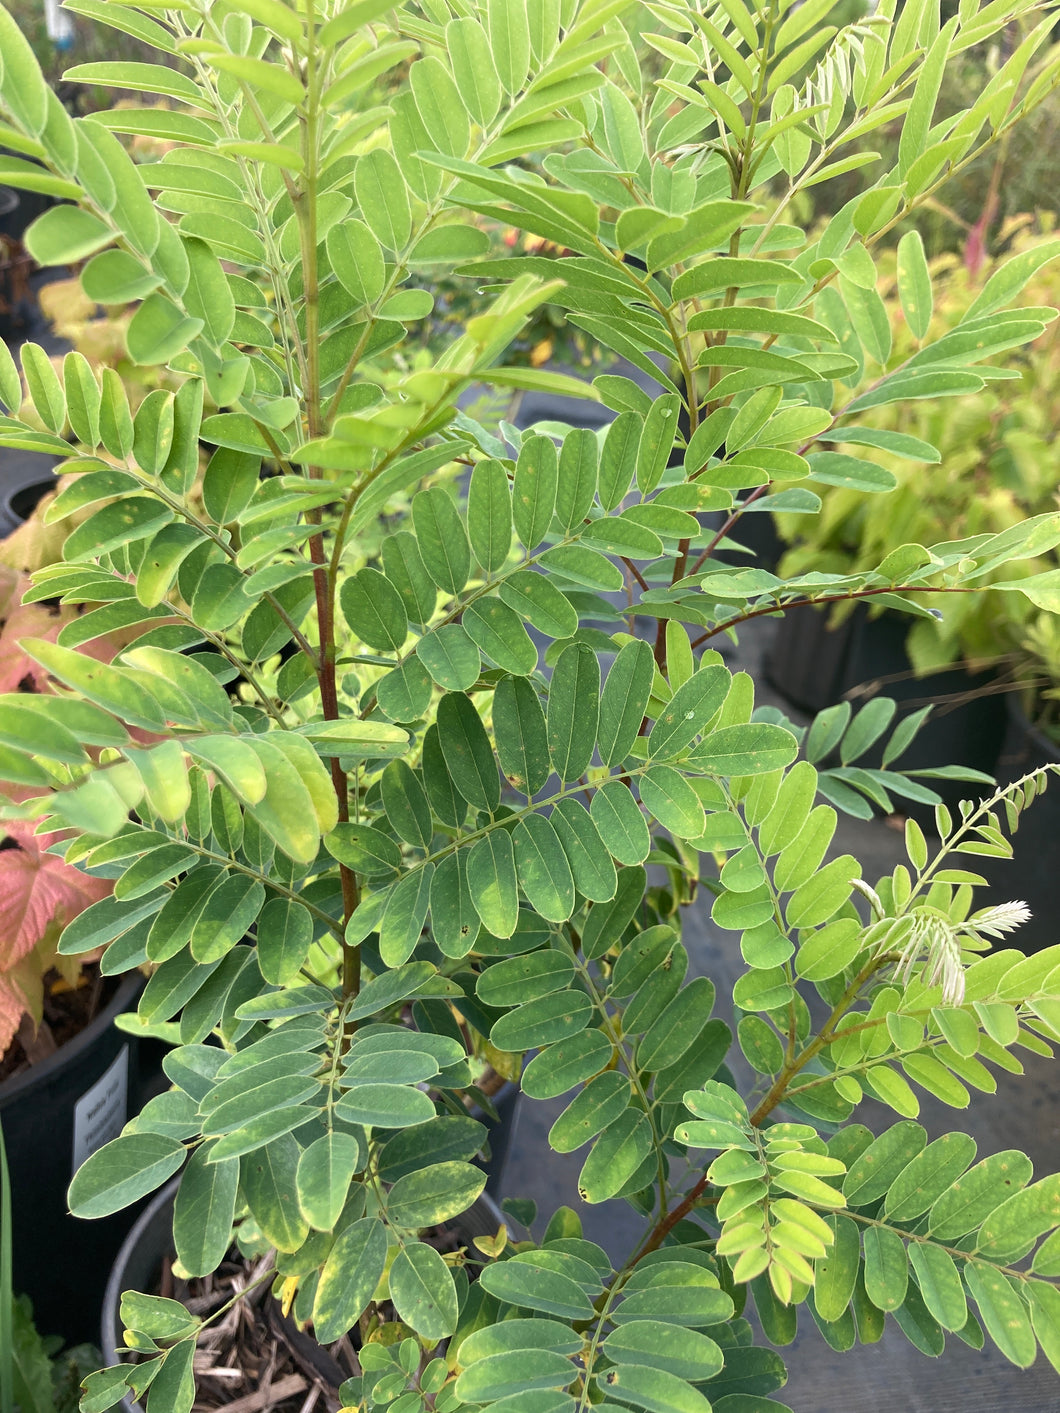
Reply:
x=938 y=942
x=995 y=922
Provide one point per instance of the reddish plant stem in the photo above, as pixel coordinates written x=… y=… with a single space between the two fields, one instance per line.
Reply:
x=832 y=598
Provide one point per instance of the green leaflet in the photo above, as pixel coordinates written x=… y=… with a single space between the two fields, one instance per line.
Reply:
x=434 y=1194
x=357 y=260
x=325 y=1170
x=1002 y=1311
x=492 y=882
x=406 y=805
x=602 y=1101
x=688 y=711
x=624 y=701
x=404 y=916
x=349 y=1278
x=565 y=1064
x=538 y=600
x=454 y=917
x=442 y=539
x=521 y=735
x=576 y=488
x=971 y=1198
x=544 y=873
x=374 y=610
x=534 y=489
x=489 y=512
x=886 y=1267
x=123 y=1170
x=573 y=710
x=497 y=631
x=451 y=657
x=923 y=1180
x=203 y=1212
x=546 y=1021
x=423 y=1292
x=618 y=458
x=468 y=755
x=620 y=823
x=616 y=1157
x=594 y=873
x=940 y=1284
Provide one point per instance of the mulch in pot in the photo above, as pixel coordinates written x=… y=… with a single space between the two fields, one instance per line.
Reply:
x=67 y=1011
x=254 y=1359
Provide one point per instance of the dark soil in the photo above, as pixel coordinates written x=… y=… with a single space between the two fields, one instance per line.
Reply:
x=67 y=1011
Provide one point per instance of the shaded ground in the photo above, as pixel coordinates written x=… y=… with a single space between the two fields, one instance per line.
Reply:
x=892 y=1376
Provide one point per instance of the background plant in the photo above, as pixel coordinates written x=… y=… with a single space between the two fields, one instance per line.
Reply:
x=370 y=798
x=993 y=458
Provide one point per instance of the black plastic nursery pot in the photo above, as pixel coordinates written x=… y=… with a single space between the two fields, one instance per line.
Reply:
x=138 y=1266
x=500 y=1134
x=54 y=1115
x=9 y=204
x=814 y=666
x=1032 y=875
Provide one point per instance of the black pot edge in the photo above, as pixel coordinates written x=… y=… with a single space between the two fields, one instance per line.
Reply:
x=483 y=1218
x=1048 y=748
x=68 y=1054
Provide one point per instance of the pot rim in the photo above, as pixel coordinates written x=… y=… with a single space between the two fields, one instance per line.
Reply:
x=1045 y=744
x=110 y=1322
x=68 y=1054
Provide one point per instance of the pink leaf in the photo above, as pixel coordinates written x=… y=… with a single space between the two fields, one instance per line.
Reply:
x=37 y=890
x=12 y=1007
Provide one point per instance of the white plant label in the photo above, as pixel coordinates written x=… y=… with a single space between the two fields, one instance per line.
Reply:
x=99 y=1114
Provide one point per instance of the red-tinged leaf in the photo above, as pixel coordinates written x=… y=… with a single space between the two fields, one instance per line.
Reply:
x=38 y=891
